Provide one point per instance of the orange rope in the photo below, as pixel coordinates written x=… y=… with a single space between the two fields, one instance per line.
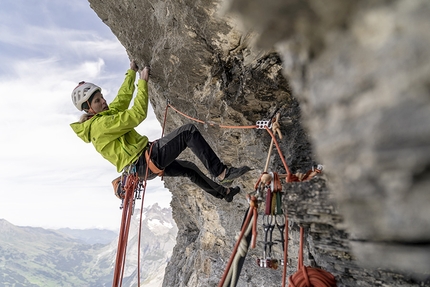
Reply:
x=308 y=276
x=290 y=177
x=284 y=269
x=130 y=186
x=165 y=119
x=211 y=123
x=287 y=169
x=140 y=222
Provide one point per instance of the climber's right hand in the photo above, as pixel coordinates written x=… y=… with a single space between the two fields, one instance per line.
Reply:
x=144 y=74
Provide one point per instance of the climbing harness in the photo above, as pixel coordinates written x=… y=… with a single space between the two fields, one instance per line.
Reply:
x=151 y=164
x=119 y=185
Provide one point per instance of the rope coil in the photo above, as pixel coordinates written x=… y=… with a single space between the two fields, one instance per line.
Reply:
x=307 y=276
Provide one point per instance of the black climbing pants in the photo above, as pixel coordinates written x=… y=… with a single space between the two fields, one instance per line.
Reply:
x=165 y=151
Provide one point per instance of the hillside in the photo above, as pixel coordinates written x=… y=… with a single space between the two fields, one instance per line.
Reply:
x=38 y=257
x=32 y=256
x=90 y=236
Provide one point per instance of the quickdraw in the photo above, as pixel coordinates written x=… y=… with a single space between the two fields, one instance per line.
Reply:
x=267 y=261
x=119 y=184
x=273 y=217
x=280 y=224
x=299 y=177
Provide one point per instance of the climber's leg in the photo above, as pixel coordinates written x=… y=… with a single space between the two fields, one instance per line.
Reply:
x=168 y=148
x=190 y=170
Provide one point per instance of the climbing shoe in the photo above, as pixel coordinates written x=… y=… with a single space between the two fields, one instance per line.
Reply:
x=232 y=193
x=233 y=173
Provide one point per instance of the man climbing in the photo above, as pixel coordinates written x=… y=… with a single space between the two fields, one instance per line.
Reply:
x=110 y=128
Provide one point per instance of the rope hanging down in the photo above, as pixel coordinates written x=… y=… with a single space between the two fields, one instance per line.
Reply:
x=132 y=189
x=131 y=184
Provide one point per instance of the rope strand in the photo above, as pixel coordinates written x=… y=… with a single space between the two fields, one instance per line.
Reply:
x=211 y=123
x=252 y=212
x=129 y=187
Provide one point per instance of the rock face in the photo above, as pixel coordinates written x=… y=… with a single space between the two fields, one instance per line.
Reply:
x=350 y=82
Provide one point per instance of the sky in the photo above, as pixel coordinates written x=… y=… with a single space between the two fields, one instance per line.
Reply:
x=49 y=177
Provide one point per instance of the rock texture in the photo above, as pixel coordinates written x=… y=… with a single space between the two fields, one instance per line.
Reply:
x=350 y=81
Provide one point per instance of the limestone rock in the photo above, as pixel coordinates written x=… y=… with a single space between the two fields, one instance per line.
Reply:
x=350 y=81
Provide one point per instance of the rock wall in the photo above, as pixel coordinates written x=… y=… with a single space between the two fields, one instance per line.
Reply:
x=350 y=81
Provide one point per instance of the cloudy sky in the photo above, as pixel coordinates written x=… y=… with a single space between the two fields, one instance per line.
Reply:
x=49 y=177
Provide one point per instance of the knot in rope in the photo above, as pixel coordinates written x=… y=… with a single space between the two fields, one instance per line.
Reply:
x=276 y=127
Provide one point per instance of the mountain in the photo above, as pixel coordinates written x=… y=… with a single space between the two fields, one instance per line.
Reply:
x=90 y=236
x=157 y=241
x=32 y=256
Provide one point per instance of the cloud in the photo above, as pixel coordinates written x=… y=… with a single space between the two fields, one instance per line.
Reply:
x=50 y=177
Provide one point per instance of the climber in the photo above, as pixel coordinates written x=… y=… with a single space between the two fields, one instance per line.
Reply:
x=110 y=128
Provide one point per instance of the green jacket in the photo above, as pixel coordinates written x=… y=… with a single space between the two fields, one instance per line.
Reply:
x=112 y=132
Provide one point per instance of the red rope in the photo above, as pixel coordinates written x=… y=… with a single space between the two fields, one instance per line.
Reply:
x=284 y=269
x=211 y=123
x=130 y=186
x=165 y=119
x=140 y=222
x=287 y=169
x=307 y=276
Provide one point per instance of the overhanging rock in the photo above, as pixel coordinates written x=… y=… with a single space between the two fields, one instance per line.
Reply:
x=352 y=76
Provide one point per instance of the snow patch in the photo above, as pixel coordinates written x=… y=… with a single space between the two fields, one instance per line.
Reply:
x=158 y=227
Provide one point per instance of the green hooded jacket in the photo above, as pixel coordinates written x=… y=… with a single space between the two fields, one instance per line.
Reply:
x=112 y=131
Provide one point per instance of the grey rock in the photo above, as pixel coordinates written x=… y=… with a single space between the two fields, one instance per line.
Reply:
x=350 y=81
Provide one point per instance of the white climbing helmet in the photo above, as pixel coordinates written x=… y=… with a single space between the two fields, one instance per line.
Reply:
x=82 y=93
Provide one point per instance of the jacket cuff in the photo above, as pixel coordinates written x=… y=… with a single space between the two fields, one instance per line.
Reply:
x=131 y=72
x=145 y=83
